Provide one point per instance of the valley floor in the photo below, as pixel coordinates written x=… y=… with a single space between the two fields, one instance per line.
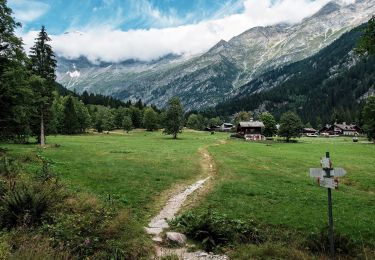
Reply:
x=267 y=183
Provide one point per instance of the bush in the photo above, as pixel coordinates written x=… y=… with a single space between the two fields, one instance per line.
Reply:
x=9 y=168
x=213 y=230
x=31 y=246
x=88 y=229
x=319 y=243
x=26 y=205
x=45 y=174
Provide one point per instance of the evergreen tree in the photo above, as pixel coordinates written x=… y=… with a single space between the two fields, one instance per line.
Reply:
x=150 y=119
x=43 y=64
x=83 y=115
x=366 y=44
x=269 y=124
x=70 y=120
x=290 y=126
x=42 y=58
x=137 y=116
x=14 y=88
x=56 y=124
x=369 y=118
x=173 y=118
x=127 y=124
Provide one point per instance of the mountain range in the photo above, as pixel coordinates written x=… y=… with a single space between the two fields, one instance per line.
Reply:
x=226 y=70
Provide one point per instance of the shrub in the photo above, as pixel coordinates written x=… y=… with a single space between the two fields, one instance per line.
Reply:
x=319 y=243
x=213 y=230
x=46 y=174
x=32 y=246
x=26 y=205
x=88 y=229
x=9 y=168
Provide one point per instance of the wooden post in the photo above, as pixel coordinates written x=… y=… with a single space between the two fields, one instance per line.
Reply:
x=42 y=136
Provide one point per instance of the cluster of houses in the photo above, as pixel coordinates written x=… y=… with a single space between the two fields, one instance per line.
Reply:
x=252 y=130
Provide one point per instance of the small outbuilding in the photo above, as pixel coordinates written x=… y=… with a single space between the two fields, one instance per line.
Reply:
x=226 y=127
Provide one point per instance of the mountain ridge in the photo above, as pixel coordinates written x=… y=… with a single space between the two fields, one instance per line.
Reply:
x=210 y=78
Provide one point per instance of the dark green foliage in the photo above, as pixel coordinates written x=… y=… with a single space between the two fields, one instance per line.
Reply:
x=46 y=174
x=15 y=93
x=215 y=121
x=150 y=119
x=213 y=230
x=368 y=114
x=366 y=44
x=127 y=124
x=98 y=99
x=42 y=58
x=196 y=122
x=70 y=120
x=136 y=116
x=269 y=124
x=173 y=118
x=290 y=126
x=242 y=116
x=43 y=65
x=9 y=168
x=318 y=243
x=25 y=205
x=103 y=119
x=311 y=87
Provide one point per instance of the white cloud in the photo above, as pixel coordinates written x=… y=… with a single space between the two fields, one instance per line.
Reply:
x=111 y=45
x=27 y=10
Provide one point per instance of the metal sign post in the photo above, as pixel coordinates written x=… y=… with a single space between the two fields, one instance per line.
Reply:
x=330 y=214
x=327 y=178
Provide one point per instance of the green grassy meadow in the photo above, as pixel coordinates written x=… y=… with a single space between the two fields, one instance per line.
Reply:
x=134 y=169
x=265 y=182
x=270 y=183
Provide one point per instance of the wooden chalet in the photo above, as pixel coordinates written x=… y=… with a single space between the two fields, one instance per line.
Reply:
x=341 y=129
x=309 y=131
x=251 y=127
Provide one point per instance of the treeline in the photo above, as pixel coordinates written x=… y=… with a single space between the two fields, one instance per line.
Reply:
x=33 y=104
x=325 y=88
x=92 y=98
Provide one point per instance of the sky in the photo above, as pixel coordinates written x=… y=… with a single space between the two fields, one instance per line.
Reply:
x=118 y=30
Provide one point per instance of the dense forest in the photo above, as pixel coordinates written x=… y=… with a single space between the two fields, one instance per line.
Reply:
x=329 y=86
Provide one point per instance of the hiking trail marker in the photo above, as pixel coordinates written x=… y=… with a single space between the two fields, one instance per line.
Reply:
x=328 y=178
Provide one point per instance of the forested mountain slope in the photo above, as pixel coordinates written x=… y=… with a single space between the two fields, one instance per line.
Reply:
x=325 y=87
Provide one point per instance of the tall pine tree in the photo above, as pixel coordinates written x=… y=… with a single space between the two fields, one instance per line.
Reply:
x=43 y=64
x=14 y=88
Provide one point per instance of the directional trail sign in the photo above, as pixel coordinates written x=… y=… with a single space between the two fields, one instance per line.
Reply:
x=328 y=178
x=319 y=172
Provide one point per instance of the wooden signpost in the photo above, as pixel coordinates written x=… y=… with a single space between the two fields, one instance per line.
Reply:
x=328 y=178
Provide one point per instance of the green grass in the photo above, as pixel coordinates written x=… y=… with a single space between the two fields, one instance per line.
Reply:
x=270 y=184
x=135 y=169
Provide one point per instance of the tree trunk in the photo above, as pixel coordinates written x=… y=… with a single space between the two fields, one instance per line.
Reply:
x=175 y=136
x=42 y=137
